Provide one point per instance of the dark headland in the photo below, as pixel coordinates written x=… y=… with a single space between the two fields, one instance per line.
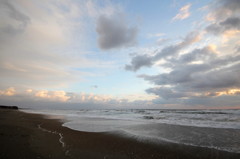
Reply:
x=31 y=136
x=8 y=107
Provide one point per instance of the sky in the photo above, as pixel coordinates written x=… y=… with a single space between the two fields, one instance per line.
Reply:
x=120 y=54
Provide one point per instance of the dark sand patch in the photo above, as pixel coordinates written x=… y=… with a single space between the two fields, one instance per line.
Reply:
x=32 y=136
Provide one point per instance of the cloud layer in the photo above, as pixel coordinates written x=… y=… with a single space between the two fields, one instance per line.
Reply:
x=59 y=99
x=42 y=47
x=199 y=73
x=139 y=61
x=50 y=47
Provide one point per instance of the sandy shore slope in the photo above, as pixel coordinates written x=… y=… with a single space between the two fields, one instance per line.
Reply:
x=31 y=136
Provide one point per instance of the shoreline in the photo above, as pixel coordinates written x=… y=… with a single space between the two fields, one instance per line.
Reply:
x=34 y=136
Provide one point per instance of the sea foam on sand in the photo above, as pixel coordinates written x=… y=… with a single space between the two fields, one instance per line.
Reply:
x=218 y=129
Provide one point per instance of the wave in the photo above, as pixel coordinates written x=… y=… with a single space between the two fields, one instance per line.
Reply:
x=187 y=135
x=199 y=118
x=218 y=129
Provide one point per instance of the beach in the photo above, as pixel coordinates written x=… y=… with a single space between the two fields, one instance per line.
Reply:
x=25 y=135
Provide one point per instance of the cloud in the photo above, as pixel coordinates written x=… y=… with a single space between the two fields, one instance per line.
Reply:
x=201 y=70
x=214 y=76
x=139 y=61
x=8 y=92
x=114 y=32
x=18 y=20
x=94 y=86
x=200 y=75
x=31 y=98
x=161 y=41
x=165 y=93
x=34 y=40
x=183 y=13
x=231 y=23
x=229 y=92
x=222 y=9
x=53 y=95
x=156 y=35
x=224 y=19
x=69 y=97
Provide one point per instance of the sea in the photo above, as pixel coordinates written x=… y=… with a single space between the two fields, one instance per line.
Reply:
x=217 y=129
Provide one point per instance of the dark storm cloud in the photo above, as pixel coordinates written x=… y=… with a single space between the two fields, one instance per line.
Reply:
x=113 y=32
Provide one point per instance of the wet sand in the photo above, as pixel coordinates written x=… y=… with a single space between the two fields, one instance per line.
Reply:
x=32 y=136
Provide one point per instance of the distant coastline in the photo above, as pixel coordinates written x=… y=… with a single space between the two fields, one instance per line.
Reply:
x=8 y=107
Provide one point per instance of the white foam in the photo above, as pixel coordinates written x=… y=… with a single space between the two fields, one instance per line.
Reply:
x=53 y=132
x=195 y=127
x=199 y=118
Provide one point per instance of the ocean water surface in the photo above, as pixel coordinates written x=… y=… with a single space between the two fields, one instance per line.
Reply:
x=218 y=129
